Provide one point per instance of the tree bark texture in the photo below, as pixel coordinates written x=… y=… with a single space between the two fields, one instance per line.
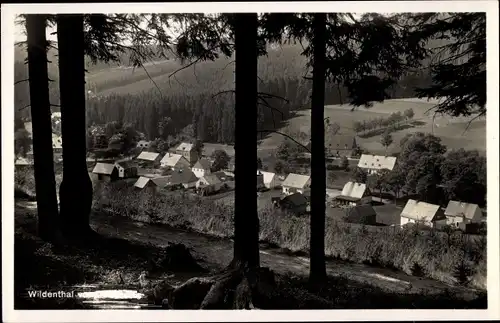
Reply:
x=76 y=188
x=317 y=270
x=45 y=183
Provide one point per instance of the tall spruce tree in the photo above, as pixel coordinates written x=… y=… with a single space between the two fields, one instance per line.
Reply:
x=45 y=183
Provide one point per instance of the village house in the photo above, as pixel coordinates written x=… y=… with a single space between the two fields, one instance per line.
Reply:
x=105 y=172
x=149 y=159
x=174 y=161
x=459 y=214
x=202 y=167
x=270 y=179
x=209 y=184
x=361 y=214
x=126 y=169
x=374 y=163
x=57 y=146
x=260 y=181
x=186 y=150
x=21 y=162
x=296 y=183
x=295 y=203
x=354 y=194
x=183 y=178
x=423 y=213
x=339 y=145
x=143 y=144
x=152 y=184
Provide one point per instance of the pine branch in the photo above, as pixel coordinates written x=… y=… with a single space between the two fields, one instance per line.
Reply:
x=222 y=92
x=472 y=120
x=270 y=96
x=26 y=106
x=284 y=135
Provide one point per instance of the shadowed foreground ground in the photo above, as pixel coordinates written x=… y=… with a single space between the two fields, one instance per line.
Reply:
x=126 y=248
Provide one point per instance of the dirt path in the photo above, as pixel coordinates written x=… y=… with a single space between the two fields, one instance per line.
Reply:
x=216 y=253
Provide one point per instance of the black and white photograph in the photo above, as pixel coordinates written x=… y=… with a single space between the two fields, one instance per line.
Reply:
x=367 y=122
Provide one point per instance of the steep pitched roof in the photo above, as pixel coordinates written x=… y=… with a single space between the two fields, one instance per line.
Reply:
x=147 y=155
x=359 y=212
x=295 y=199
x=171 y=159
x=184 y=146
x=103 y=168
x=223 y=176
x=141 y=182
x=268 y=176
x=125 y=164
x=296 y=180
x=212 y=179
x=183 y=177
x=420 y=211
x=161 y=181
x=202 y=163
x=456 y=208
x=353 y=189
x=56 y=141
x=377 y=162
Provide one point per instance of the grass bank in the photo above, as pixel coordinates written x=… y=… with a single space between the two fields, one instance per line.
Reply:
x=455 y=260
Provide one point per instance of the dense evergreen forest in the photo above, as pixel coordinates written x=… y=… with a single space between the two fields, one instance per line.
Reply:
x=199 y=96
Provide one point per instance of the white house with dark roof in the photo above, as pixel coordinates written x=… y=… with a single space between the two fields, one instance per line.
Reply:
x=296 y=183
x=202 y=167
x=353 y=194
x=270 y=179
x=174 y=161
x=186 y=149
x=105 y=172
x=423 y=213
x=374 y=163
x=459 y=212
x=149 y=158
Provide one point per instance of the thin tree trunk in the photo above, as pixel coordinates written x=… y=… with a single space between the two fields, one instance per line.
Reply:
x=76 y=188
x=246 y=220
x=45 y=183
x=317 y=270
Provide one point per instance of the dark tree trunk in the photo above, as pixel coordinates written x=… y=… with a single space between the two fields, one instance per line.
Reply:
x=45 y=182
x=246 y=220
x=317 y=270
x=76 y=188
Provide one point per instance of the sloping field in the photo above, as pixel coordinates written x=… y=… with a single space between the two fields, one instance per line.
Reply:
x=451 y=130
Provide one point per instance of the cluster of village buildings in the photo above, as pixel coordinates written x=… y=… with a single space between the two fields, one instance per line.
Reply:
x=182 y=168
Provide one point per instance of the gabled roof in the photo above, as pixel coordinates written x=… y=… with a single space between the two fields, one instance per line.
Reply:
x=361 y=211
x=268 y=176
x=147 y=155
x=377 y=162
x=203 y=163
x=171 y=159
x=456 y=208
x=222 y=176
x=338 y=142
x=160 y=181
x=141 y=182
x=103 y=168
x=184 y=146
x=212 y=179
x=142 y=142
x=21 y=161
x=296 y=180
x=125 y=164
x=420 y=211
x=354 y=190
x=183 y=176
x=295 y=199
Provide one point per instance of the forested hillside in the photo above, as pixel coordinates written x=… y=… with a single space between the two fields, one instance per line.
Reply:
x=193 y=95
